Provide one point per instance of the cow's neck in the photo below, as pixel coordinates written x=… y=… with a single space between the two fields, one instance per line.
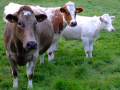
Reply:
x=64 y=21
x=17 y=47
x=100 y=25
x=22 y=57
x=57 y=21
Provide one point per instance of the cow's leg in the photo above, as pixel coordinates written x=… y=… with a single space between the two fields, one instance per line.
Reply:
x=30 y=70
x=50 y=55
x=86 y=46
x=53 y=47
x=51 y=51
x=90 y=48
x=56 y=45
x=14 y=73
x=42 y=58
x=30 y=67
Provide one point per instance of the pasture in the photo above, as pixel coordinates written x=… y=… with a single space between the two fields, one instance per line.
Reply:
x=71 y=70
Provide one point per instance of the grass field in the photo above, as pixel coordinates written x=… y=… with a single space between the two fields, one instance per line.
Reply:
x=72 y=71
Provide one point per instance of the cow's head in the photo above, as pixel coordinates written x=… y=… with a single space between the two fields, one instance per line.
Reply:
x=106 y=20
x=69 y=11
x=25 y=22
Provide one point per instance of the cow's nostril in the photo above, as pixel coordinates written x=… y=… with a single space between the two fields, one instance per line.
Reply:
x=73 y=24
x=31 y=45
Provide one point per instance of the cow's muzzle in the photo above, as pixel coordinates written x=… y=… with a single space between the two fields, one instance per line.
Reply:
x=73 y=24
x=31 y=45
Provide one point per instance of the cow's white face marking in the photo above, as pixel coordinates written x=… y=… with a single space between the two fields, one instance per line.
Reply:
x=30 y=85
x=27 y=13
x=72 y=11
x=71 y=7
x=15 y=83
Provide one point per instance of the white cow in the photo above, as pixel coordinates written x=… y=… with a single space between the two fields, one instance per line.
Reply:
x=88 y=29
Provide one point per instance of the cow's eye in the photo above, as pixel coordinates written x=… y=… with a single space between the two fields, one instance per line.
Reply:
x=68 y=13
x=35 y=23
x=20 y=24
x=105 y=22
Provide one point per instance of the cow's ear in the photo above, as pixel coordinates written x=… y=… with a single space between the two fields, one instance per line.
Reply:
x=62 y=9
x=41 y=17
x=102 y=19
x=12 y=18
x=78 y=10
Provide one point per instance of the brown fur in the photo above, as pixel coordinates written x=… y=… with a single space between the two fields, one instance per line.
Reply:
x=57 y=21
x=14 y=45
x=27 y=8
x=67 y=15
x=45 y=32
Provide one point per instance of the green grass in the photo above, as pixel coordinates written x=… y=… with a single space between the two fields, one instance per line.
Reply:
x=72 y=71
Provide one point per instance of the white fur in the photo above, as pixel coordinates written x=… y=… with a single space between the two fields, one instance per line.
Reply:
x=12 y=8
x=29 y=67
x=42 y=58
x=51 y=56
x=71 y=8
x=30 y=85
x=27 y=13
x=88 y=29
x=15 y=83
x=53 y=48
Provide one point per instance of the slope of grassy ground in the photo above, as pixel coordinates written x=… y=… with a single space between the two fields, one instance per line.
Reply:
x=72 y=71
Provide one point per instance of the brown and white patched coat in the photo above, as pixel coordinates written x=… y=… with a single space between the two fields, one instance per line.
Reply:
x=60 y=17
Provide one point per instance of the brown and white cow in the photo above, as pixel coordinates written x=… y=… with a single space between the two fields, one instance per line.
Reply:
x=27 y=35
x=60 y=17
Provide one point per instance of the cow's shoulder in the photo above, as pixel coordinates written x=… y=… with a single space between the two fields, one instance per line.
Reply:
x=9 y=31
x=57 y=21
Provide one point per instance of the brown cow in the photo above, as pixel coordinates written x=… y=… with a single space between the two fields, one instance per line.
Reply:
x=27 y=35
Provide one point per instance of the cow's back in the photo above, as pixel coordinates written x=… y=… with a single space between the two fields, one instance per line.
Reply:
x=56 y=18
